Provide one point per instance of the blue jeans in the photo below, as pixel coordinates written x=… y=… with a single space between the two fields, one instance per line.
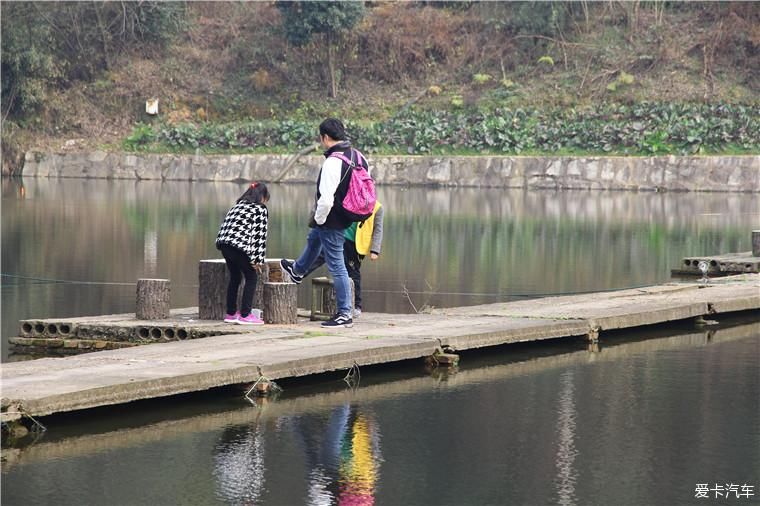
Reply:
x=329 y=242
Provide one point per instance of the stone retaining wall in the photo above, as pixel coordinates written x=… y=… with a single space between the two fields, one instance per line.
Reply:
x=691 y=173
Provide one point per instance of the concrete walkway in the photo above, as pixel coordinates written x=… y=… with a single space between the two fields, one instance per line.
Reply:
x=197 y=418
x=54 y=385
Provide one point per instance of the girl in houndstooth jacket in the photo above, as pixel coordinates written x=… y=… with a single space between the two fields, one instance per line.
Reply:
x=242 y=239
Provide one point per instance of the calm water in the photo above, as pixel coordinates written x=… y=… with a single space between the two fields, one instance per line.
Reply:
x=643 y=421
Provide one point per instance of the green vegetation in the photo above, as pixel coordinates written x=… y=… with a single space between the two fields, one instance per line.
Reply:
x=420 y=77
x=641 y=129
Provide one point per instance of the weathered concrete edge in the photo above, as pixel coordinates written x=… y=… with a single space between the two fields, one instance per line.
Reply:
x=550 y=329
x=196 y=382
x=736 y=304
x=676 y=312
x=671 y=173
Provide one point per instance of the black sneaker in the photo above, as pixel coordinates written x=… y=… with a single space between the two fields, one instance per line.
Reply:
x=287 y=267
x=339 y=321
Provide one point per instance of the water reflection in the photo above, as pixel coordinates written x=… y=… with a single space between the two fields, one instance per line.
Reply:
x=342 y=455
x=76 y=247
x=564 y=424
x=239 y=464
x=340 y=451
x=566 y=452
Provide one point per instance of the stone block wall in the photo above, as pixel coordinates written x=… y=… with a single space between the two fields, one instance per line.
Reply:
x=665 y=173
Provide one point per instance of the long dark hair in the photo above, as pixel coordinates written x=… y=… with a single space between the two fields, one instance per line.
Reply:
x=257 y=193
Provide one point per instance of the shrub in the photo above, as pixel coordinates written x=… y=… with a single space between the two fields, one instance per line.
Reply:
x=644 y=128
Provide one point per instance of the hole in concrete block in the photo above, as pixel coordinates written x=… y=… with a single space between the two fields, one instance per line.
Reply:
x=143 y=332
x=713 y=263
x=52 y=329
x=182 y=333
x=169 y=333
x=64 y=329
x=39 y=328
x=26 y=328
x=155 y=333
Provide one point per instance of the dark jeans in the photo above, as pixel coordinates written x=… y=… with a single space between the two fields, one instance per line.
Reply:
x=353 y=261
x=239 y=265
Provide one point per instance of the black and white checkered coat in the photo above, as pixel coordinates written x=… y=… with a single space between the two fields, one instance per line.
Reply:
x=245 y=228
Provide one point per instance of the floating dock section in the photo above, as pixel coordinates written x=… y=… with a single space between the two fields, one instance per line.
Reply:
x=243 y=355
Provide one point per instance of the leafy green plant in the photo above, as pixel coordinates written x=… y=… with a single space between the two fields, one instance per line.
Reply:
x=623 y=79
x=642 y=128
x=141 y=136
x=481 y=78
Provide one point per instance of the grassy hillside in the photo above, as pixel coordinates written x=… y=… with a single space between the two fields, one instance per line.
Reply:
x=230 y=62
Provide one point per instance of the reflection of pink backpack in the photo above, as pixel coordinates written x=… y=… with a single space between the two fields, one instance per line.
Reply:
x=360 y=197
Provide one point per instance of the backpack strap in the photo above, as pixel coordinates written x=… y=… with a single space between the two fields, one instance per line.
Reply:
x=350 y=162
x=361 y=162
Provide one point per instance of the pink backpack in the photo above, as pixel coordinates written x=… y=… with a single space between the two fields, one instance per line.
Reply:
x=361 y=197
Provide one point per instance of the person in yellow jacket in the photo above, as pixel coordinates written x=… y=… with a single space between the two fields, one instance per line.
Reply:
x=361 y=239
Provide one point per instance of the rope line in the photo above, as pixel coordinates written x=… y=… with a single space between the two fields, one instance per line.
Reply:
x=37 y=281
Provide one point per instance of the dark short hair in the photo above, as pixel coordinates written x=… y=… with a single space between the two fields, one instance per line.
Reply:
x=256 y=193
x=334 y=128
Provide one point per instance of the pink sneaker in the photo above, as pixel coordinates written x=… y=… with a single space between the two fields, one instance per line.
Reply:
x=232 y=318
x=250 y=320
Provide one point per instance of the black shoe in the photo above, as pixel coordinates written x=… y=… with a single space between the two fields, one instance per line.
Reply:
x=339 y=321
x=287 y=267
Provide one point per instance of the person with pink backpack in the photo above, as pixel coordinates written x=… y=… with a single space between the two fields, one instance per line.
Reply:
x=345 y=194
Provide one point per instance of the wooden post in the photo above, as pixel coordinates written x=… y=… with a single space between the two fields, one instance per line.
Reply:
x=280 y=303
x=153 y=299
x=274 y=270
x=212 y=289
x=213 y=279
x=756 y=243
x=258 y=295
x=324 y=303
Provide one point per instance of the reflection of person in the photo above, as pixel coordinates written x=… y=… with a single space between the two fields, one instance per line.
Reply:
x=242 y=239
x=342 y=456
x=361 y=239
x=329 y=222
x=358 y=464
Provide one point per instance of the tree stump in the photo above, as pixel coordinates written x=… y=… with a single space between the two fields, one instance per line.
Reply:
x=258 y=295
x=280 y=303
x=153 y=299
x=212 y=289
x=213 y=278
x=274 y=270
x=324 y=303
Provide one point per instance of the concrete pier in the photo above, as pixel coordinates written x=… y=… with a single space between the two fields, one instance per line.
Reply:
x=244 y=354
x=198 y=418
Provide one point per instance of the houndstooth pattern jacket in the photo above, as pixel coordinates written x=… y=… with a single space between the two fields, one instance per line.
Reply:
x=245 y=228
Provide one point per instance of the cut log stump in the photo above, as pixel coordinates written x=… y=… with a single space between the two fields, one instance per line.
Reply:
x=213 y=278
x=212 y=289
x=324 y=303
x=153 y=299
x=280 y=303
